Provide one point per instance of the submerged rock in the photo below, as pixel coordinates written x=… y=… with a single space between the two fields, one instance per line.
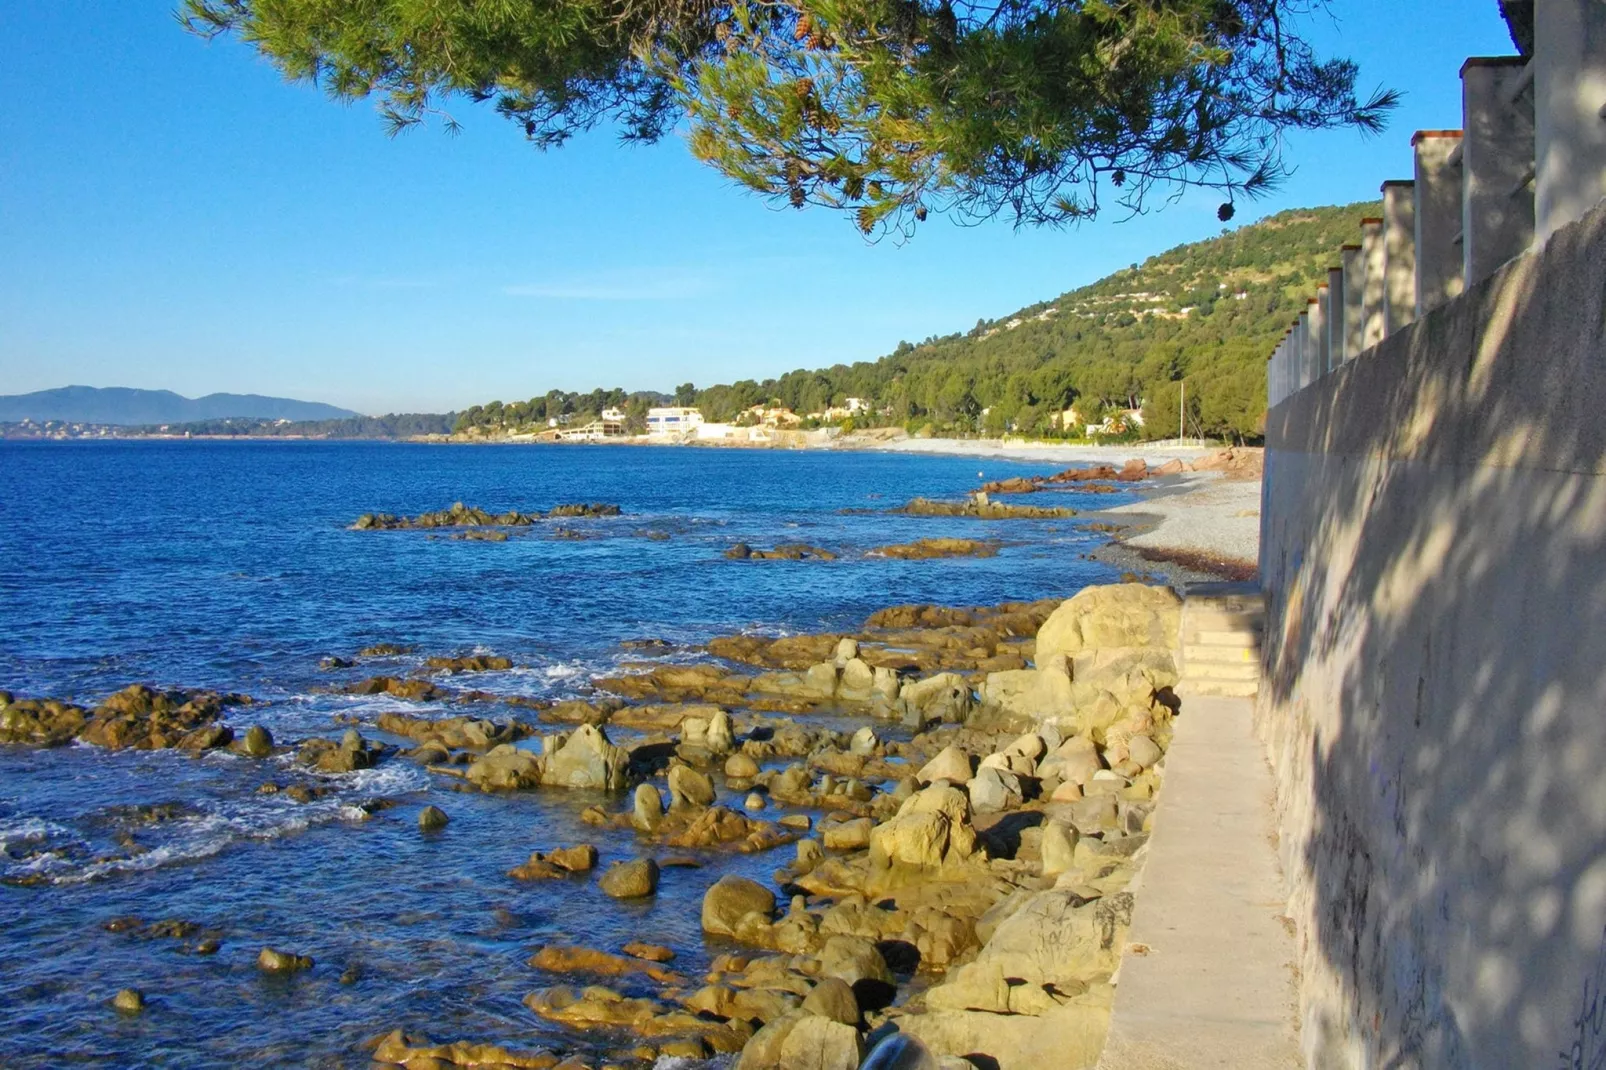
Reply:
x=926 y=549
x=432 y=819
x=270 y=960
x=630 y=880
x=129 y=1001
x=731 y=900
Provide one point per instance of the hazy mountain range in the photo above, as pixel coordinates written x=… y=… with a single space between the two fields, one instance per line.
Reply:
x=128 y=407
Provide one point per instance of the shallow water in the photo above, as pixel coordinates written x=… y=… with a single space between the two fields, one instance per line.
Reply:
x=229 y=565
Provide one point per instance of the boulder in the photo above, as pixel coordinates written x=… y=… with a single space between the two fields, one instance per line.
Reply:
x=635 y=879
x=647 y=808
x=833 y=998
x=689 y=789
x=1143 y=750
x=846 y=835
x=587 y=760
x=854 y=960
x=864 y=742
x=1113 y=616
x=505 y=768
x=741 y=767
x=132 y=1001
x=950 y=764
x=992 y=790
x=1058 y=847
x=432 y=819
x=721 y=737
x=931 y=830
x=857 y=681
x=258 y=742
x=731 y=899
x=270 y=960
x=943 y=697
x=818 y=1043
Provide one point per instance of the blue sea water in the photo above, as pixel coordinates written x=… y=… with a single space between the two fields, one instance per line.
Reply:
x=231 y=566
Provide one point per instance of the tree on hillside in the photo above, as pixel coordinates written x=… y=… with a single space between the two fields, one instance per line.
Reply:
x=1043 y=111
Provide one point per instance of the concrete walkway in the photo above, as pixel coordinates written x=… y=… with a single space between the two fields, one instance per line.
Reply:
x=1207 y=978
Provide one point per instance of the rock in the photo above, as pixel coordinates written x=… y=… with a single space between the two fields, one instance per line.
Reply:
x=1110 y=617
x=129 y=1000
x=635 y=879
x=555 y=958
x=821 y=679
x=924 y=549
x=857 y=681
x=943 y=697
x=1075 y=761
x=649 y=952
x=730 y=900
x=689 y=788
x=847 y=649
x=854 y=959
x=587 y=760
x=721 y=735
x=846 y=835
x=1143 y=751
x=886 y=683
x=864 y=742
x=931 y=829
x=1095 y=813
x=471 y=663
x=741 y=767
x=505 y=768
x=270 y=960
x=950 y=764
x=818 y=1043
x=1066 y=793
x=992 y=790
x=1029 y=746
x=258 y=742
x=809 y=855
x=754 y=801
x=1058 y=848
x=796 y=821
x=432 y=819
x=647 y=807
x=833 y=998
x=579 y=859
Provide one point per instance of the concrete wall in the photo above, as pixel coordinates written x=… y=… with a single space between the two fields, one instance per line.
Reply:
x=1434 y=698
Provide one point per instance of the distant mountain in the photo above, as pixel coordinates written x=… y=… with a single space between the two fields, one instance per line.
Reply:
x=129 y=407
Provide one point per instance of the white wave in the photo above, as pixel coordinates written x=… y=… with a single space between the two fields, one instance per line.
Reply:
x=21 y=830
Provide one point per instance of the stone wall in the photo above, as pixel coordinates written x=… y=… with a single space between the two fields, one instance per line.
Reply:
x=1434 y=697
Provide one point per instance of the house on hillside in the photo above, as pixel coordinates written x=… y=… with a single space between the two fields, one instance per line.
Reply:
x=672 y=421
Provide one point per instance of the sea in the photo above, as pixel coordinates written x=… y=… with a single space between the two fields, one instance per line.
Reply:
x=232 y=566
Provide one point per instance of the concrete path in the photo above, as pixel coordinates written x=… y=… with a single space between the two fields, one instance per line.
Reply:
x=1207 y=978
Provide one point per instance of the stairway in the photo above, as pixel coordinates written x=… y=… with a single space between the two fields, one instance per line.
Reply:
x=1222 y=624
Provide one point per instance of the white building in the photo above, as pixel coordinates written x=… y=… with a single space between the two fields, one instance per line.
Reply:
x=672 y=421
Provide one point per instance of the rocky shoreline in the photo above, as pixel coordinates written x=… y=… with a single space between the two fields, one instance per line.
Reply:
x=959 y=854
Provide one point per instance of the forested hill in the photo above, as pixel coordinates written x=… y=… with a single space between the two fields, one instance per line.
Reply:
x=1209 y=312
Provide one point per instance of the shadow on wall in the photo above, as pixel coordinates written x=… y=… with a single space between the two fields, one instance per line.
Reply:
x=1434 y=694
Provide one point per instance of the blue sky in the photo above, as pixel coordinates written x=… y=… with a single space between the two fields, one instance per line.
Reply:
x=173 y=215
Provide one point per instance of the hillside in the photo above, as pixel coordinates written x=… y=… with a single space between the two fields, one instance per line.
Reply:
x=1208 y=312
x=124 y=406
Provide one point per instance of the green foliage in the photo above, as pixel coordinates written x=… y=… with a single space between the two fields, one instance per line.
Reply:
x=1040 y=110
x=396 y=425
x=1209 y=312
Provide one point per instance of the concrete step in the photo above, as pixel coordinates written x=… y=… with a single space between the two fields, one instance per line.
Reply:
x=1208 y=637
x=1187 y=689
x=1215 y=671
x=1219 y=655
x=1199 y=618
